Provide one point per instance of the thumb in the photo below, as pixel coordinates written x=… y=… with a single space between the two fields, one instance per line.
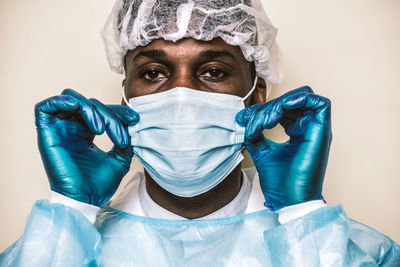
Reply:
x=123 y=155
x=127 y=115
x=258 y=117
x=245 y=115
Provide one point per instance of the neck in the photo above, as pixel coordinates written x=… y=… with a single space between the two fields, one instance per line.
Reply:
x=197 y=206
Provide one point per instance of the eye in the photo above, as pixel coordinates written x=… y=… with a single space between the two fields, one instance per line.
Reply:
x=153 y=75
x=213 y=74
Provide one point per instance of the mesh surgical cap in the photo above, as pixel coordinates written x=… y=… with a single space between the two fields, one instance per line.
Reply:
x=242 y=23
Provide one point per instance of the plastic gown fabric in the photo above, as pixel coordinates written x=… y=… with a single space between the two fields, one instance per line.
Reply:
x=56 y=235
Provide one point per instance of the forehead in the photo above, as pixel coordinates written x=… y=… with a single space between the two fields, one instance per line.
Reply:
x=189 y=47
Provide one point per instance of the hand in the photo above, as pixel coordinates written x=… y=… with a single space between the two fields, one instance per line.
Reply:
x=76 y=167
x=291 y=172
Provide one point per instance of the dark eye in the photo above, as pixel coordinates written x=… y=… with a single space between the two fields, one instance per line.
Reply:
x=154 y=75
x=213 y=74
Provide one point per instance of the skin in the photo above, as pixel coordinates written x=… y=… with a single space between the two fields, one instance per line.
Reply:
x=211 y=66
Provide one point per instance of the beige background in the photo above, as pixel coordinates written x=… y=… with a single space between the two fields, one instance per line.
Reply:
x=346 y=50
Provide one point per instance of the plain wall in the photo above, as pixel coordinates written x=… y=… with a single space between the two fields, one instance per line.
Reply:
x=345 y=50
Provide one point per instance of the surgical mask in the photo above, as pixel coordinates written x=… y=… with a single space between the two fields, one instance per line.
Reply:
x=187 y=140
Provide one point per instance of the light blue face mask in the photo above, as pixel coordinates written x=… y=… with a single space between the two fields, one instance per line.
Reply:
x=187 y=140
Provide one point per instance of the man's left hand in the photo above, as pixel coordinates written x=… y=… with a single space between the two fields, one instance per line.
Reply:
x=291 y=172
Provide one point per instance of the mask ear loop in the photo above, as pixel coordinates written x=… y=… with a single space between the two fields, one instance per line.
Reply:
x=124 y=97
x=251 y=90
x=244 y=98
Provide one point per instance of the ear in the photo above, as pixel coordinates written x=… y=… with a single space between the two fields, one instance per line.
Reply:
x=260 y=93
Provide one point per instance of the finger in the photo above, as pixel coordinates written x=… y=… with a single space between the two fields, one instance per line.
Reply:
x=303 y=89
x=46 y=109
x=246 y=114
x=113 y=125
x=311 y=102
x=87 y=111
x=258 y=117
x=127 y=115
x=55 y=104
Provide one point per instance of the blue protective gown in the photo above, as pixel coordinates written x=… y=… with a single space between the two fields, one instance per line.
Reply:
x=56 y=235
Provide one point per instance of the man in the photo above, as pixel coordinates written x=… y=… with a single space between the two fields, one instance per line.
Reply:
x=189 y=72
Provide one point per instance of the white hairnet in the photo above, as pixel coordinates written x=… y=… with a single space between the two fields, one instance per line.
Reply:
x=242 y=23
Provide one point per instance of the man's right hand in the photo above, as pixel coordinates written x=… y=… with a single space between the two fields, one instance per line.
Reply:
x=76 y=167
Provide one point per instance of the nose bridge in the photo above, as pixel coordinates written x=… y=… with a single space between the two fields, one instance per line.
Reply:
x=183 y=77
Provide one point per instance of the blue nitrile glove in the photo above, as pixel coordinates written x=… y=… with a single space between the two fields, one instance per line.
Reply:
x=291 y=172
x=76 y=167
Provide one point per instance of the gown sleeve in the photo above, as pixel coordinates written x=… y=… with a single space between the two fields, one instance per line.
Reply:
x=327 y=237
x=55 y=235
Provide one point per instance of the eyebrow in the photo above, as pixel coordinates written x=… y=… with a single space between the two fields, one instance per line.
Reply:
x=212 y=54
x=152 y=54
x=159 y=53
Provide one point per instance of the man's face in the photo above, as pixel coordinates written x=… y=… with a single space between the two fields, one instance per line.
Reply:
x=211 y=66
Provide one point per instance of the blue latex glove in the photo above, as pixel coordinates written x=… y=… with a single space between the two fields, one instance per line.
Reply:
x=291 y=172
x=76 y=167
